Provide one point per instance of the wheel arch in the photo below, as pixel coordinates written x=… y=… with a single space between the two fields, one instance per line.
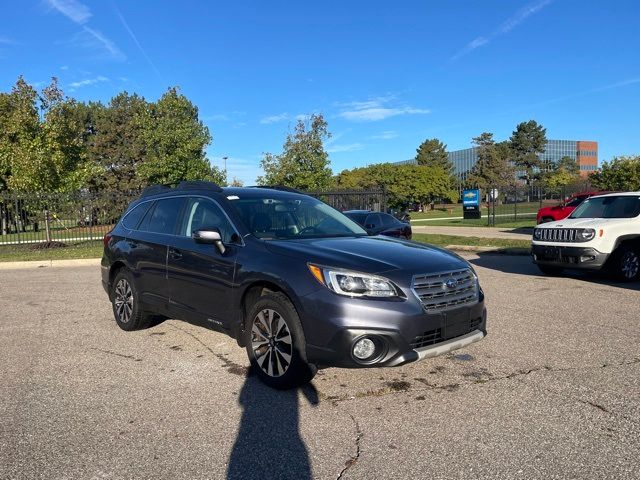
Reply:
x=632 y=240
x=250 y=294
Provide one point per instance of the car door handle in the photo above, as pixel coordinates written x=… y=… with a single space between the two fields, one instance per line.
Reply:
x=175 y=254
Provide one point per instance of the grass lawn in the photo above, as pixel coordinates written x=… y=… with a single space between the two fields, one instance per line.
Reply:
x=482 y=222
x=444 y=240
x=15 y=253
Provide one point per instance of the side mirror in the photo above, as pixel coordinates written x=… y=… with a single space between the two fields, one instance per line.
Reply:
x=209 y=237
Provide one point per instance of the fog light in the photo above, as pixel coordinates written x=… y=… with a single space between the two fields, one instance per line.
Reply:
x=364 y=349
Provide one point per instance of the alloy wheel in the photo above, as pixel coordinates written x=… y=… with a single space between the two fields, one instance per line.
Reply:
x=123 y=300
x=271 y=343
x=630 y=264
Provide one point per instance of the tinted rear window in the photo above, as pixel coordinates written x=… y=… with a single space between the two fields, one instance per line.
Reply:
x=164 y=217
x=133 y=217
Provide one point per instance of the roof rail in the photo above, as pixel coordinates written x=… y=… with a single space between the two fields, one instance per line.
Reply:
x=199 y=185
x=153 y=190
x=282 y=188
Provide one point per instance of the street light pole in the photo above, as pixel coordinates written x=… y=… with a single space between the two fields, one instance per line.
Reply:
x=225 y=165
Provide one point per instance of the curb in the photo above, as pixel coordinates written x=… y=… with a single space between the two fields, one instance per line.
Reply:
x=76 y=262
x=497 y=250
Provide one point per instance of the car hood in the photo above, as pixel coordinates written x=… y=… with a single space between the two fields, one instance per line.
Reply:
x=375 y=254
x=583 y=222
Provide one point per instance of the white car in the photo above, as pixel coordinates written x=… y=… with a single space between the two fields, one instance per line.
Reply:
x=604 y=231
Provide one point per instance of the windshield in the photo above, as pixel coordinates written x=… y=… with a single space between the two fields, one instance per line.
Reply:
x=623 y=206
x=299 y=217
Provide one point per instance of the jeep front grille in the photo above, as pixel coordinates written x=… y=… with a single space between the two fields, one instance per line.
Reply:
x=567 y=235
x=446 y=290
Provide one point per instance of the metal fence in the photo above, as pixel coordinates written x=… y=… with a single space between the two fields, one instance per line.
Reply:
x=56 y=218
x=342 y=200
x=516 y=203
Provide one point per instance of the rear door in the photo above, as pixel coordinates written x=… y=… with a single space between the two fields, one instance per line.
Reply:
x=200 y=277
x=148 y=246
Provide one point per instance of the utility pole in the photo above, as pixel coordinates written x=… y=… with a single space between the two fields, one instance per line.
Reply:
x=225 y=165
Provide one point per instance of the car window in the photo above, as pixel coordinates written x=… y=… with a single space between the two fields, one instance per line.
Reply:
x=388 y=221
x=203 y=214
x=373 y=221
x=133 y=216
x=357 y=217
x=575 y=201
x=623 y=206
x=164 y=216
x=274 y=217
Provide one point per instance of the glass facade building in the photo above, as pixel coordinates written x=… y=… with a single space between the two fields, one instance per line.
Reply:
x=585 y=153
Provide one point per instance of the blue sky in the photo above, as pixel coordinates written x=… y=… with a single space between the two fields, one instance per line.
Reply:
x=386 y=75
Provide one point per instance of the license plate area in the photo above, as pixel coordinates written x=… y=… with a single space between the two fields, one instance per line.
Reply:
x=456 y=325
x=552 y=252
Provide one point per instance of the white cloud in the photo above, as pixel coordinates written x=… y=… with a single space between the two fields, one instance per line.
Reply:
x=97 y=38
x=88 y=81
x=274 y=118
x=376 y=109
x=508 y=25
x=386 y=135
x=351 y=147
x=75 y=11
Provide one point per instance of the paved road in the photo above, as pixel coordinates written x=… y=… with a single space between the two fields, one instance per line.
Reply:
x=482 y=232
x=552 y=392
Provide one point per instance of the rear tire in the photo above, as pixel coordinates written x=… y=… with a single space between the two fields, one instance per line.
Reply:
x=125 y=301
x=550 y=269
x=625 y=264
x=276 y=343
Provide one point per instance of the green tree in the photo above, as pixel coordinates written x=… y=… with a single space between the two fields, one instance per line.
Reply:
x=527 y=142
x=493 y=167
x=303 y=163
x=236 y=182
x=174 y=142
x=42 y=153
x=563 y=173
x=621 y=173
x=433 y=153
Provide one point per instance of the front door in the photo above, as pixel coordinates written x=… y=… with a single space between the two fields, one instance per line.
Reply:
x=200 y=277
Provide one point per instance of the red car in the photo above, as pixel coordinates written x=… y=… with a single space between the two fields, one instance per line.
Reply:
x=551 y=214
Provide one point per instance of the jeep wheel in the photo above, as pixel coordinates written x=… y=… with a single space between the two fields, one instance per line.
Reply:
x=550 y=269
x=126 y=305
x=626 y=264
x=276 y=343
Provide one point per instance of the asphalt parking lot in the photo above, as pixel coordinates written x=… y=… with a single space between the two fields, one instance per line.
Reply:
x=552 y=392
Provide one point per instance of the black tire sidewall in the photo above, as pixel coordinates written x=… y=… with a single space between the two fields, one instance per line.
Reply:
x=617 y=264
x=299 y=371
x=136 y=320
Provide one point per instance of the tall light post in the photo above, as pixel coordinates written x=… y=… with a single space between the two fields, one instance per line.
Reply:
x=225 y=165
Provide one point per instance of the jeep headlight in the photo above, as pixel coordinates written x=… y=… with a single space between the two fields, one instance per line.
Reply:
x=537 y=233
x=587 y=234
x=354 y=284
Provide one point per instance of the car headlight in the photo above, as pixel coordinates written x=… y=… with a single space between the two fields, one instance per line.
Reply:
x=587 y=234
x=354 y=284
x=537 y=233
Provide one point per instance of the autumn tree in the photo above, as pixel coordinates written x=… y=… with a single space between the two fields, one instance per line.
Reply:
x=303 y=163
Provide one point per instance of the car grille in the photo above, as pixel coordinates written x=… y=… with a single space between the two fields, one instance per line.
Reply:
x=446 y=290
x=560 y=234
x=432 y=337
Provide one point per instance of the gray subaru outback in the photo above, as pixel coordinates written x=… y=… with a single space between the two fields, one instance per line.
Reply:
x=295 y=282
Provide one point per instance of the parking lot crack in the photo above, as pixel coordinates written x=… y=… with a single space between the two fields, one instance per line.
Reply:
x=121 y=355
x=353 y=459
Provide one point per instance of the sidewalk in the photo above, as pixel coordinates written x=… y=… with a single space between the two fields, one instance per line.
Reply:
x=482 y=232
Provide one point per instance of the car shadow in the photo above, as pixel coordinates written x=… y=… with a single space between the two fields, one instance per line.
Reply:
x=523 y=265
x=269 y=444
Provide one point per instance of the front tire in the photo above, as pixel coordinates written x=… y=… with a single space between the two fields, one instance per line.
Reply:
x=550 y=269
x=125 y=301
x=276 y=343
x=625 y=264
